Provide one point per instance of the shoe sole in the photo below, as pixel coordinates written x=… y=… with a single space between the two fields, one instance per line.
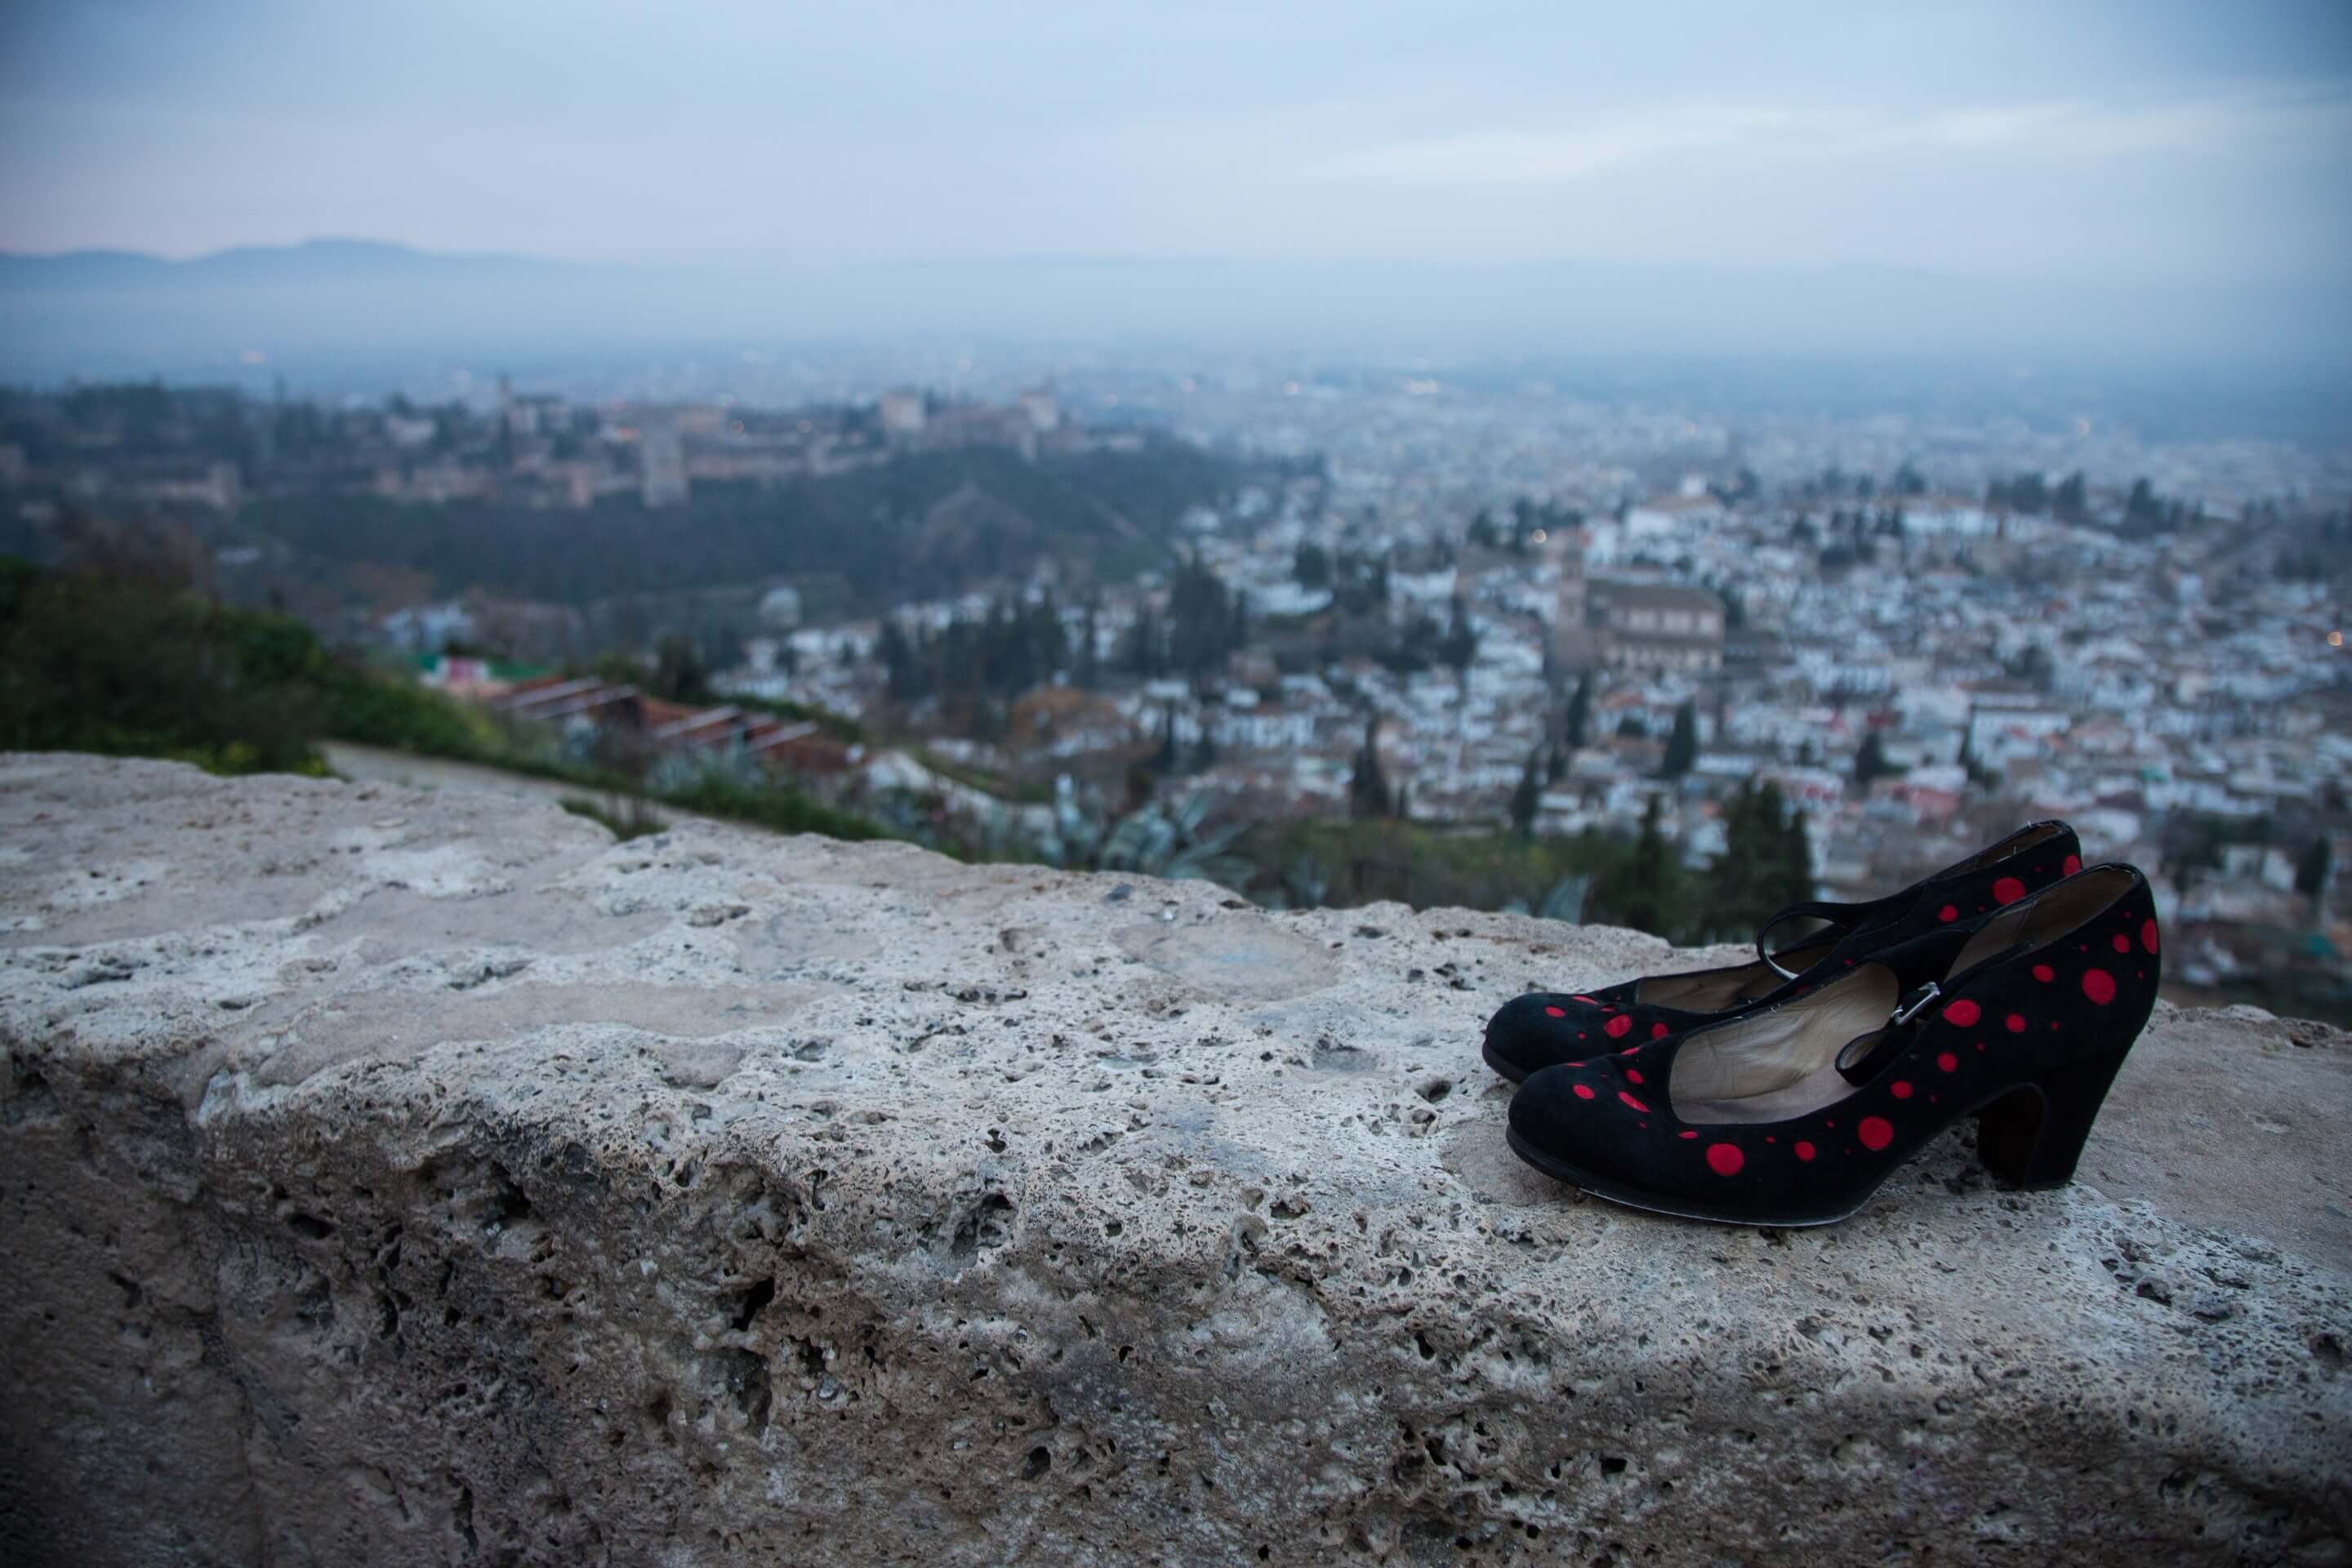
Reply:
x=1584 y=1181
x=1501 y=1064
x=1559 y=1169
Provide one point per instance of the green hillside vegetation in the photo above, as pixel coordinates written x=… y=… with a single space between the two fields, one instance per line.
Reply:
x=134 y=666
x=131 y=665
x=1589 y=877
x=915 y=527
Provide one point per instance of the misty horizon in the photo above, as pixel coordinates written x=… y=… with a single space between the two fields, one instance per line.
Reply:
x=332 y=313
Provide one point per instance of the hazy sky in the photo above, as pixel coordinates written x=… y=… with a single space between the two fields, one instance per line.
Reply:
x=2145 y=140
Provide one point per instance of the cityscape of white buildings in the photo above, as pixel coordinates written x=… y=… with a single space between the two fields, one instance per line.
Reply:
x=2016 y=616
x=2010 y=665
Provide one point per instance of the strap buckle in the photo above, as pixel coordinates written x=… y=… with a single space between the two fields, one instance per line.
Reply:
x=1919 y=1002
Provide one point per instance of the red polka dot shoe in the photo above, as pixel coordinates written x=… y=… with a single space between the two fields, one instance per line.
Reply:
x=1543 y=1030
x=1793 y=1115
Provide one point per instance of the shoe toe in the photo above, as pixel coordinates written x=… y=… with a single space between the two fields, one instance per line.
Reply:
x=1530 y=1033
x=1546 y=1113
x=1587 y=1124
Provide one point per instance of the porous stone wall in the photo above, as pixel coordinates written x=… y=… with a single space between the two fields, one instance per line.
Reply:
x=406 y=1178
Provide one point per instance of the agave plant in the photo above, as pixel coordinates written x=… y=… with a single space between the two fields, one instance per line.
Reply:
x=1304 y=885
x=1566 y=899
x=1077 y=834
x=1176 y=842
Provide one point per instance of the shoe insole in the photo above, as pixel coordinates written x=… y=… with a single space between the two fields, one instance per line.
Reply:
x=1783 y=1063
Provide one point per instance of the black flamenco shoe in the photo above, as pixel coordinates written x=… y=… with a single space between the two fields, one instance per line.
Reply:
x=1545 y=1028
x=1793 y=1115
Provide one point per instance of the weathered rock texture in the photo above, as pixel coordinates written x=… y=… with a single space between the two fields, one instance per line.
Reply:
x=393 y=1178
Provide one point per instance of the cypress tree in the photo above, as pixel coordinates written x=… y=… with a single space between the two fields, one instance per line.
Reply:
x=1766 y=863
x=1796 y=861
x=1682 y=745
x=1871 y=763
x=1527 y=798
x=1647 y=901
x=1579 y=714
x=1368 y=792
x=1088 y=670
x=1461 y=644
x=2313 y=866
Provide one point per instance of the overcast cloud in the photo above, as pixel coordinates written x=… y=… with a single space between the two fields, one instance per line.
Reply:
x=2153 y=143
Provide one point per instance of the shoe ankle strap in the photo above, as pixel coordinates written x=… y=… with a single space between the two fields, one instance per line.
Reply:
x=1839 y=915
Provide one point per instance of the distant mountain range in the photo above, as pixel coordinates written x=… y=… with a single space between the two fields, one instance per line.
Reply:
x=350 y=314
x=342 y=313
x=312 y=263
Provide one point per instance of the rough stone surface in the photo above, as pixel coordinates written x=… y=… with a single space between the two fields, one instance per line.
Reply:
x=393 y=1177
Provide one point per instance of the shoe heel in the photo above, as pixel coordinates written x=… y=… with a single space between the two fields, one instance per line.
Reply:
x=2032 y=1137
